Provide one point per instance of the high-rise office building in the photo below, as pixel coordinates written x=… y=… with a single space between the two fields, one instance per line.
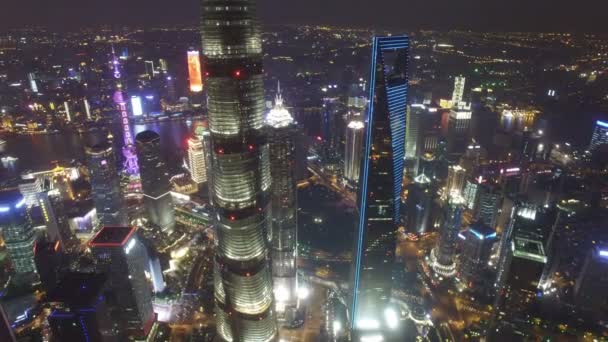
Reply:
x=442 y=258
x=18 y=233
x=459 y=129
x=525 y=264
x=78 y=309
x=105 y=185
x=458 y=94
x=471 y=193
x=413 y=133
x=476 y=249
x=196 y=160
x=380 y=188
x=353 y=152
x=283 y=243
x=419 y=205
x=591 y=288
x=240 y=163
x=489 y=204
x=600 y=135
x=195 y=72
x=413 y=137
x=124 y=259
x=154 y=180
x=455 y=181
x=6 y=331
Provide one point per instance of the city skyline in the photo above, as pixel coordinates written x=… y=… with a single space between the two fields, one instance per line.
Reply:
x=251 y=171
x=558 y=16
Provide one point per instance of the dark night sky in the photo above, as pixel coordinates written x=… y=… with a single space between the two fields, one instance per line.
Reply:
x=495 y=15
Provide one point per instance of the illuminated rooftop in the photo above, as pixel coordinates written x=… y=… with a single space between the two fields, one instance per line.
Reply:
x=112 y=237
x=279 y=116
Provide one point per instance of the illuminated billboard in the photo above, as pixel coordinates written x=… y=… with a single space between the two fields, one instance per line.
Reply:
x=136 y=106
x=194 y=71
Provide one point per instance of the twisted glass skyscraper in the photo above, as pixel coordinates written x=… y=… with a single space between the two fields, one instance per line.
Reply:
x=240 y=167
x=380 y=186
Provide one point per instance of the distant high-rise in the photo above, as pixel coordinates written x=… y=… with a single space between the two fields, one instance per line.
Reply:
x=476 y=249
x=419 y=205
x=524 y=268
x=78 y=309
x=353 y=152
x=442 y=259
x=17 y=231
x=471 y=193
x=455 y=182
x=195 y=72
x=458 y=94
x=154 y=180
x=105 y=185
x=240 y=163
x=413 y=136
x=489 y=205
x=124 y=259
x=380 y=185
x=600 y=135
x=459 y=129
x=283 y=244
x=196 y=160
x=591 y=288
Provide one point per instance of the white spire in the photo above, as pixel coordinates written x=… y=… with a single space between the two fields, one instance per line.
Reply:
x=279 y=116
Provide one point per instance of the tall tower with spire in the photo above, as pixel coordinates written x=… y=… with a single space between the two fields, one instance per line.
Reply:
x=131 y=167
x=240 y=170
x=283 y=243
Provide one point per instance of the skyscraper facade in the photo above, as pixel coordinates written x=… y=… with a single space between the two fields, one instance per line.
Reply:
x=380 y=186
x=353 y=152
x=124 y=259
x=455 y=182
x=489 y=205
x=419 y=205
x=413 y=136
x=600 y=135
x=442 y=259
x=283 y=244
x=17 y=232
x=196 y=160
x=240 y=163
x=476 y=248
x=458 y=94
x=591 y=287
x=154 y=180
x=105 y=185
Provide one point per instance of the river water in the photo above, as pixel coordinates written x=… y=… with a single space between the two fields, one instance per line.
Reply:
x=37 y=152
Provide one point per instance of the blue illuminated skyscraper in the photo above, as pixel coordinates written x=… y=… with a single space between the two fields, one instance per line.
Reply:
x=380 y=188
x=600 y=135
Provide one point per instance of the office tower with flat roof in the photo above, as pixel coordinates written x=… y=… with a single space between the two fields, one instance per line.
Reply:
x=443 y=256
x=591 y=287
x=283 y=243
x=105 y=185
x=477 y=242
x=525 y=264
x=380 y=186
x=196 y=160
x=489 y=205
x=455 y=181
x=413 y=136
x=458 y=94
x=240 y=164
x=78 y=309
x=459 y=129
x=124 y=259
x=599 y=136
x=17 y=232
x=154 y=180
x=353 y=152
x=419 y=205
